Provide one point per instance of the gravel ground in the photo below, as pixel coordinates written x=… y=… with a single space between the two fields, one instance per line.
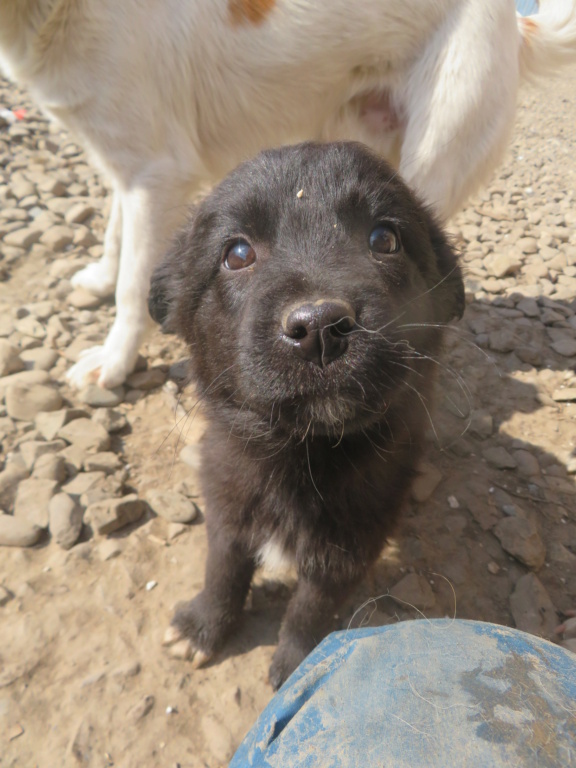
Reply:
x=102 y=531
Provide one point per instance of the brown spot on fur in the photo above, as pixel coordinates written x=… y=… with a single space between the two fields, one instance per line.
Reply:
x=528 y=28
x=249 y=11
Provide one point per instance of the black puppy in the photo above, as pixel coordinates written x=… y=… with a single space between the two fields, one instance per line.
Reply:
x=312 y=288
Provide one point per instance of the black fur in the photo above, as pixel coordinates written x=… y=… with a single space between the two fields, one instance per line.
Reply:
x=318 y=457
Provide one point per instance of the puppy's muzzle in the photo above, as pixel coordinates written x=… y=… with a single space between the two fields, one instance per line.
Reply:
x=318 y=331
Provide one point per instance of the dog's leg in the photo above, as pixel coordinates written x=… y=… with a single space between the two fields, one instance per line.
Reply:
x=459 y=102
x=200 y=626
x=100 y=278
x=309 y=618
x=151 y=213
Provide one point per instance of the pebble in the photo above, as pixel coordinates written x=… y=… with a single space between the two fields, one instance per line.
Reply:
x=5 y=597
x=49 y=424
x=33 y=500
x=97 y=397
x=18 y=532
x=65 y=520
x=141 y=709
x=414 y=591
x=526 y=464
x=427 y=479
x=565 y=347
x=190 y=455
x=50 y=467
x=564 y=395
x=103 y=462
x=10 y=477
x=532 y=608
x=520 y=538
x=25 y=401
x=149 y=379
x=33 y=449
x=10 y=360
x=499 y=457
x=109 y=549
x=481 y=424
x=111 y=515
x=86 y=435
x=172 y=506
x=39 y=358
x=83 y=482
x=80 y=298
x=112 y=421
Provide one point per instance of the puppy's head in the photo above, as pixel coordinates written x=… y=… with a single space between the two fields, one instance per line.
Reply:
x=311 y=286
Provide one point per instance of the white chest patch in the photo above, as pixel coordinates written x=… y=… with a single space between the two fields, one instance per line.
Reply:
x=274 y=558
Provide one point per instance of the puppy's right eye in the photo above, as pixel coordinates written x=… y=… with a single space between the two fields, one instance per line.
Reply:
x=239 y=255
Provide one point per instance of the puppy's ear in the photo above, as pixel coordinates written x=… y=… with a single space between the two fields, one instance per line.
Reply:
x=451 y=288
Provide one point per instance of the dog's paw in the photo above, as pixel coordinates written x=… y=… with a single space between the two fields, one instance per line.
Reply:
x=96 y=278
x=181 y=647
x=96 y=366
x=285 y=660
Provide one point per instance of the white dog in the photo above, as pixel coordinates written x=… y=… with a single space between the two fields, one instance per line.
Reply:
x=169 y=94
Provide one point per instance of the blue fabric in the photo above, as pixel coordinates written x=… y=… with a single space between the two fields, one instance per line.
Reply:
x=527 y=7
x=422 y=694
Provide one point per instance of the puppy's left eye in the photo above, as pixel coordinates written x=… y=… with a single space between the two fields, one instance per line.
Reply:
x=384 y=240
x=239 y=255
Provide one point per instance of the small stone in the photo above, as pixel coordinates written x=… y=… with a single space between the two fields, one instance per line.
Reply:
x=33 y=449
x=25 y=401
x=18 y=532
x=529 y=307
x=172 y=506
x=83 y=299
x=109 y=549
x=528 y=245
x=50 y=467
x=83 y=482
x=10 y=361
x=502 y=341
x=565 y=395
x=504 y=264
x=49 y=423
x=98 y=397
x=187 y=488
x=25 y=378
x=111 y=515
x=414 y=591
x=111 y=420
x=565 y=347
x=78 y=213
x=65 y=520
x=493 y=568
x=33 y=500
x=453 y=502
x=174 y=530
x=5 y=597
x=529 y=355
x=103 y=462
x=527 y=464
x=531 y=607
x=74 y=459
x=150 y=585
x=10 y=477
x=426 y=482
x=23 y=238
x=520 y=538
x=57 y=238
x=481 y=424
x=499 y=458
x=140 y=710
x=40 y=358
x=131 y=668
x=149 y=379
x=190 y=455
x=86 y=435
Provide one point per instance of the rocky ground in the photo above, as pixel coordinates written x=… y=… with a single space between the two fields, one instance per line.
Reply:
x=103 y=530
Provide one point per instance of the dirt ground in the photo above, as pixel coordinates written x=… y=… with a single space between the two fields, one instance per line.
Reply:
x=490 y=533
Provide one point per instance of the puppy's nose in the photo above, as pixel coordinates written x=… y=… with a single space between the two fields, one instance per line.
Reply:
x=317 y=331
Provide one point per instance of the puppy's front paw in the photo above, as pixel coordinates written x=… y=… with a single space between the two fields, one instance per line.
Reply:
x=198 y=629
x=99 y=279
x=181 y=647
x=286 y=659
x=97 y=366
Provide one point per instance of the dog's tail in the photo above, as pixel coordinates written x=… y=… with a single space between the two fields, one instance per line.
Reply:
x=548 y=38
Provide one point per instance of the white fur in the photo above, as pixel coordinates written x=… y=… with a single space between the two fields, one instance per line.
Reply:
x=274 y=558
x=169 y=94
